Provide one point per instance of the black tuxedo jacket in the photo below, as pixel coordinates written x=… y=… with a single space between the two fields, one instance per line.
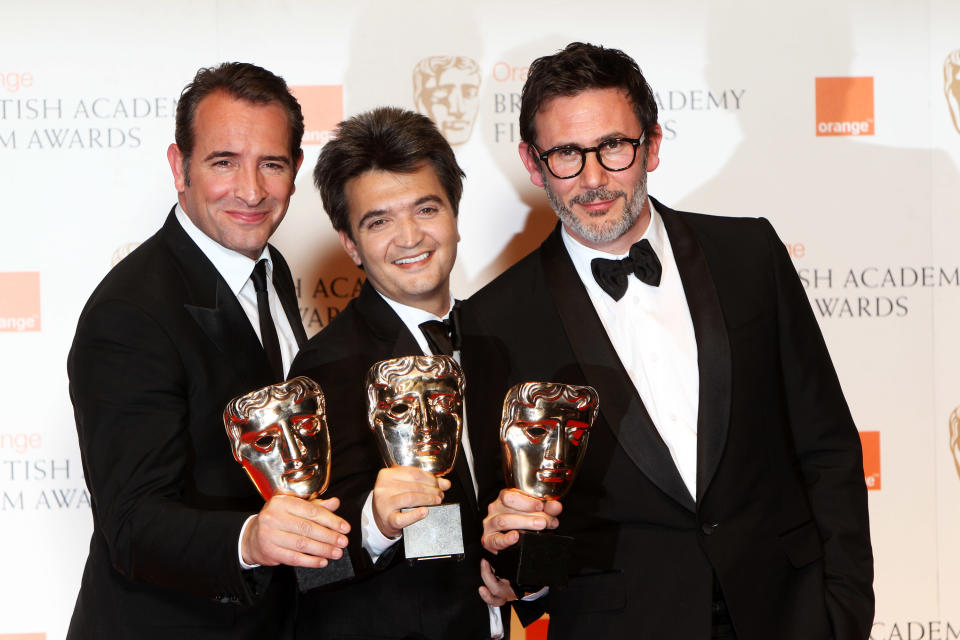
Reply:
x=161 y=346
x=780 y=515
x=434 y=599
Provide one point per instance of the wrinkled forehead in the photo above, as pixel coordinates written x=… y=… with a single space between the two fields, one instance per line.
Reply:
x=412 y=383
x=281 y=412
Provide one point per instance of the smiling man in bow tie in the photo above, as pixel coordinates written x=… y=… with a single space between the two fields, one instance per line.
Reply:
x=722 y=494
x=391 y=185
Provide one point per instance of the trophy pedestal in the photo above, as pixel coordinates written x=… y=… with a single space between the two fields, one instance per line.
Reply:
x=537 y=560
x=439 y=535
x=336 y=570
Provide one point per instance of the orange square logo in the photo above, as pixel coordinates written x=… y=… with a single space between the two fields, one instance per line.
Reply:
x=322 y=110
x=870 y=441
x=20 y=301
x=845 y=106
x=23 y=636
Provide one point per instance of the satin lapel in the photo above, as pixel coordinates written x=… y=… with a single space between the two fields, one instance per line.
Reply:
x=283 y=283
x=397 y=341
x=620 y=403
x=713 y=346
x=214 y=307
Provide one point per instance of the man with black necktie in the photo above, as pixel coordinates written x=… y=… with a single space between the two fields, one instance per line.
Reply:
x=202 y=312
x=722 y=492
x=391 y=186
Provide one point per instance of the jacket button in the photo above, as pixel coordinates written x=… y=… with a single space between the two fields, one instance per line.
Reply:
x=709 y=527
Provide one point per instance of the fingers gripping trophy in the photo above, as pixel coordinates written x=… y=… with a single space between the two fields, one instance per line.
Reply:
x=543 y=431
x=279 y=434
x=415 y=409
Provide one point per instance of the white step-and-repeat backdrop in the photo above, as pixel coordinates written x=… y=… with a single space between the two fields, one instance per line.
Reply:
x=839 y=120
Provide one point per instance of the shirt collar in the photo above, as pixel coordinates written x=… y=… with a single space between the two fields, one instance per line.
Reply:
x=412 y=317
x=582 y=255
x=235 y=268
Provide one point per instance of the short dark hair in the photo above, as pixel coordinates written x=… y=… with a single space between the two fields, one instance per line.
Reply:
x=243 y=81
x=383 y=139
x=579 y=67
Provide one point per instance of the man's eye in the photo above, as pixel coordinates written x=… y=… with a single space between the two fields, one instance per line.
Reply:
x=612 y=145
x=567 y=154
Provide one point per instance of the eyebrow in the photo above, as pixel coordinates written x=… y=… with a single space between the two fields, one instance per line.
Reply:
x=373 y=213
x=233 y=154
x=598 y=140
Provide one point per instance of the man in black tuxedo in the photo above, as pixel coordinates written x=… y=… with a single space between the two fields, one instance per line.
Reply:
x=722 y=492
x=391 y=186
x=201 y=312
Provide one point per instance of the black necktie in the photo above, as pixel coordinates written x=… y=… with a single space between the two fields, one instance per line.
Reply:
x=443 y=336
x=268 y=332
x=612 y=275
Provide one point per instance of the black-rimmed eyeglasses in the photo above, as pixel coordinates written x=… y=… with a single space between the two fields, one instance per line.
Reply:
x=567 y=161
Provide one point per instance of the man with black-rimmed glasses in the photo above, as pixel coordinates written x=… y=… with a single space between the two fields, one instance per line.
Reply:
x=722 y=492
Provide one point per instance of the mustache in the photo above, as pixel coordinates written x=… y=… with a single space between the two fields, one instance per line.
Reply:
x=601 y=193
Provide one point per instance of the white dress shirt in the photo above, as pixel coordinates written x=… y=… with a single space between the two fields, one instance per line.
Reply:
x=235 y=268
x=652 y=332
x=373 y=540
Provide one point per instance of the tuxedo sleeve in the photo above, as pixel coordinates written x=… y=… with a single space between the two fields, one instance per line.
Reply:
x=828 y=447
x=132 y=400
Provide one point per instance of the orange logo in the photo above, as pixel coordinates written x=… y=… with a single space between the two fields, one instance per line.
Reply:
x=322 y=110
x=870 y=440
x=20 y=301
x=23 y=636
x=845 y=106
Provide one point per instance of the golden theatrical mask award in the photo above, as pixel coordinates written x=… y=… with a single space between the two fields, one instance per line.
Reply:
x=279 y=434
x=543 y=432
x=415 y=408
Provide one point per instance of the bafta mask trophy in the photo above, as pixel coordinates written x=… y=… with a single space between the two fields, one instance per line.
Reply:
x=543 y=432
x=279 y=434
x=415 y=408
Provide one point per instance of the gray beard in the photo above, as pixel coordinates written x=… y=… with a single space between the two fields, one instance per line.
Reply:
x=611 y=229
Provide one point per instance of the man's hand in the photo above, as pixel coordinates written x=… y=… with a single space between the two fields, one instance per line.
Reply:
x=399 y=488
x=292 y=531
x=495 y=591
x=513 y=511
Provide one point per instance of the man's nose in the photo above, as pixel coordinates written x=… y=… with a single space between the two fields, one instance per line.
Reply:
x=249 y=186
x=593 y=174
x=409 y=233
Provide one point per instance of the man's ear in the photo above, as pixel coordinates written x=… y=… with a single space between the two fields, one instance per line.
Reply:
x=531 y=163
x=351 y=248
x=654 y=138
x=175 y=158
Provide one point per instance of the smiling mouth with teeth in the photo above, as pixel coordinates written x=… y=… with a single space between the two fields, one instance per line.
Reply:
x=412 y=259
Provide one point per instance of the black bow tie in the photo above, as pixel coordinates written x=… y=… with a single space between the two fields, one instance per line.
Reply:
x=612 y=275
x=443 y=336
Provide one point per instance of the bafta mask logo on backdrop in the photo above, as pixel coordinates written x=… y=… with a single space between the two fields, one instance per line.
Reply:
x=322 y=107
x=845 y=106
x=951 y=86
x=20 y=301
x=955 y=438
x=447 y=90
x=870 y=442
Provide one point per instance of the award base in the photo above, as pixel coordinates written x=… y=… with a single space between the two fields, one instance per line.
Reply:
x=336 y=570
x=537 y=560
x=439 y=535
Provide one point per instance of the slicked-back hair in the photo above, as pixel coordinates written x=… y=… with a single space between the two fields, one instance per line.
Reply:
x=577 y=68
x=383 y=139
x=242 y=81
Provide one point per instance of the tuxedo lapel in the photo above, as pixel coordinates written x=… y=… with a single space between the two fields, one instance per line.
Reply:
x=213 y=306
x=395 y=341
x=713 y=346
x=288 y=296
x=620 y=403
